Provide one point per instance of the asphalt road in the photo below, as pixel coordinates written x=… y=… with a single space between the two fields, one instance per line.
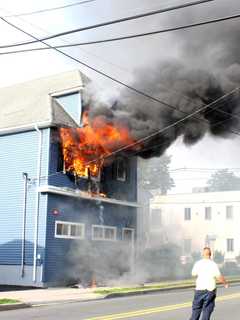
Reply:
x=162 y=306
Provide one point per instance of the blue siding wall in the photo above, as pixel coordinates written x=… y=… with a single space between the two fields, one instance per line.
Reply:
x=58 y=250
x=19 y=153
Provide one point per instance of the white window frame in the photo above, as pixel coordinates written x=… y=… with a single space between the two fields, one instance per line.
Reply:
x=104 y=227
x=69 y=224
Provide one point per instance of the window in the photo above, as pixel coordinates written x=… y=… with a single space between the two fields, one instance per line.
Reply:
x=69 y=230
x=229 y=212
x=104 y=233
x=71 y=103
x=208 y=213
x=156 y=218
x=128 y=234
x=121 y=169
x=187 y=246
x=187 y=214
x=230 y=245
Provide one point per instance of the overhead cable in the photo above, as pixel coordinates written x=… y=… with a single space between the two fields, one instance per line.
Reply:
x=48 y=9
x=111 y=22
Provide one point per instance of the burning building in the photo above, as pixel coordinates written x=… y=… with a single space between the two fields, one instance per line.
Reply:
x=68 y=206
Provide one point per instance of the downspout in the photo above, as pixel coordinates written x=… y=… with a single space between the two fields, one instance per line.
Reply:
x=36 y=224
x=25 y=178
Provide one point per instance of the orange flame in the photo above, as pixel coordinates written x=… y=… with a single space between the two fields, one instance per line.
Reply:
x=85 y=148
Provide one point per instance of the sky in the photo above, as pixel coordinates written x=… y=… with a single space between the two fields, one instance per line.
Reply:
x=118 y=59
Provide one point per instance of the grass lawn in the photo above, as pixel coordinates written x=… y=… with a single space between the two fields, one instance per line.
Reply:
x=155 y=286
x=8 y=301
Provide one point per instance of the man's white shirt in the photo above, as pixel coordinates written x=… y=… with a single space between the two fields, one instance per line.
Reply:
x=207 y=272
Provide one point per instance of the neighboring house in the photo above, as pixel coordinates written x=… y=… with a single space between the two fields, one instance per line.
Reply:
x=196 y=220
x=44 y=214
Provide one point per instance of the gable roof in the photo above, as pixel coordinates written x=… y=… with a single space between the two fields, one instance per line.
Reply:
x=32 y=103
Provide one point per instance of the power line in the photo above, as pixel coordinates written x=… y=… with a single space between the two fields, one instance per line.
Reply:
x=48 y=9
x=102 y=24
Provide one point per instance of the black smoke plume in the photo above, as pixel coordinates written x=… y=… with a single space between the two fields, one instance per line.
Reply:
x=207 y=69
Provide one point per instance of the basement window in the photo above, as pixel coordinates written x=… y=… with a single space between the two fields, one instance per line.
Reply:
x=104 y=233
x=69 y=230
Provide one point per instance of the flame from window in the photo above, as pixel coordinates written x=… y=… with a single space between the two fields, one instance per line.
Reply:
x=85 y=149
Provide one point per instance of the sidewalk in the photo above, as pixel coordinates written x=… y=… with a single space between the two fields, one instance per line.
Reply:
x=53 y=295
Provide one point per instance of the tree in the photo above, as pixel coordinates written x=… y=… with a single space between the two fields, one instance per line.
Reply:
x=223 y=180
x=154 y=174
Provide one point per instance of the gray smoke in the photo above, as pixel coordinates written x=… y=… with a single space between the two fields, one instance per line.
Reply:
x=207 y=68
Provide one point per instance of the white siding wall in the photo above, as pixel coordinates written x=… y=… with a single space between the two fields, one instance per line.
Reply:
x=175 y=228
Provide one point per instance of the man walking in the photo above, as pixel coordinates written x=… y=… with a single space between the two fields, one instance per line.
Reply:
x=207 y=273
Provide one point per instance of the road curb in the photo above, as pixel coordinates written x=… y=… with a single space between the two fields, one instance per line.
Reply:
x=151 y=291
x=14 y=306
x=147 y=291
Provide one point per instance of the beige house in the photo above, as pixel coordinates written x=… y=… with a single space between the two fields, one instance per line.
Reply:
x=197 y=219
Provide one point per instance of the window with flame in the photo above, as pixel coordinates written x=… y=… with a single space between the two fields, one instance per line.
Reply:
x=100 y=232
x=69 y=230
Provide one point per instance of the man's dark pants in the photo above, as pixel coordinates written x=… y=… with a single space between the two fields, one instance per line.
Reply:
x=204 y=301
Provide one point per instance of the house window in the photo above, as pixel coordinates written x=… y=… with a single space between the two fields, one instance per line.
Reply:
x=128 y=234
x=187 y=246
x=156 y=218
x=71 y=103
x=208 y=213
x=230 y=245
x=229 y=212
x=69 y=230
x=104 y=233
x=187 y=214
x=121 y=169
